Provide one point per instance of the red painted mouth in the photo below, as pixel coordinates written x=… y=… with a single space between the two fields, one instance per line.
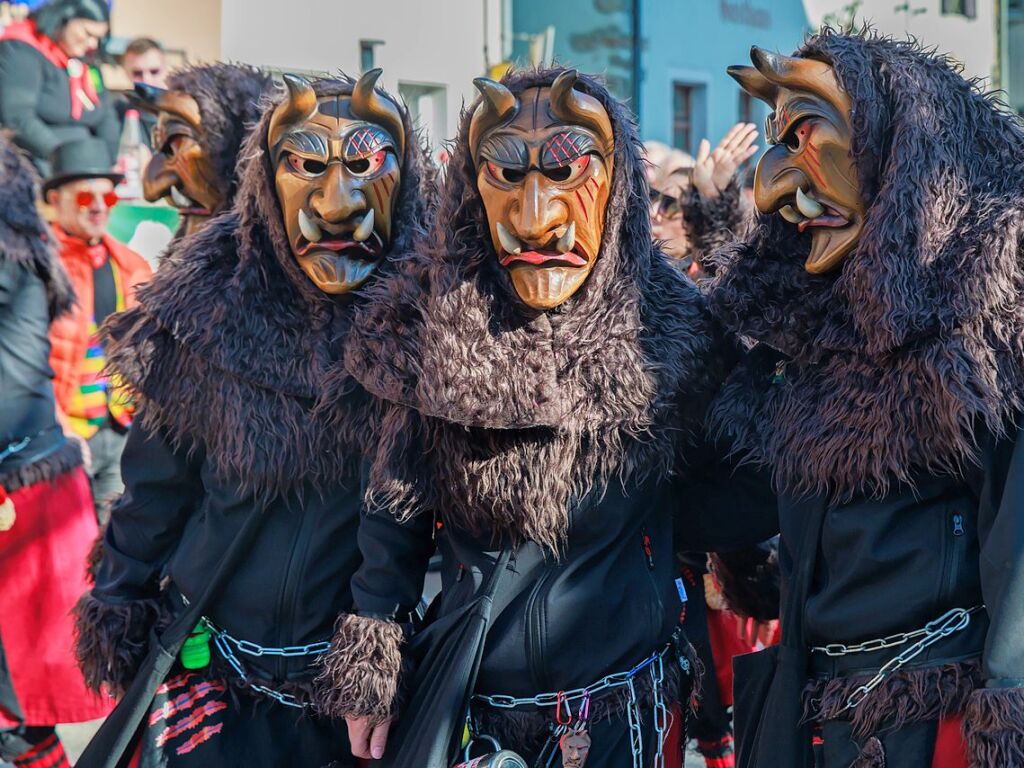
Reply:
x=545 y=258
x=370 y=249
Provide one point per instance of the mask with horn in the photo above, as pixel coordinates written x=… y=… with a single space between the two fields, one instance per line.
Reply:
x=337 y=169
x=180 y=170
x=544 y=168
x=808 y=175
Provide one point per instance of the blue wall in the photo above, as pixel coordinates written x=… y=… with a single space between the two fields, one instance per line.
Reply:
x=690 y=41
x=693 y=41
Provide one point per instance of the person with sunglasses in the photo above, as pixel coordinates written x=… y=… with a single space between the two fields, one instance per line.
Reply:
x=104 y=274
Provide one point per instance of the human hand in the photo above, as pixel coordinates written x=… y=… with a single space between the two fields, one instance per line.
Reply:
x=368 y=741
x=714 y=170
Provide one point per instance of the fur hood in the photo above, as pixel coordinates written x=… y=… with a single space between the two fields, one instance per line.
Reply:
x=527 y=412
x=230 y=99
x=24 y=237
x=231 y=342
x=894 y=360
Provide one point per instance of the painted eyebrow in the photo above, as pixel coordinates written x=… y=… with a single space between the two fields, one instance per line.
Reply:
x=365 y=141
x=795 y=109
x=305 y=142
x=506 y=151
x=564 y=148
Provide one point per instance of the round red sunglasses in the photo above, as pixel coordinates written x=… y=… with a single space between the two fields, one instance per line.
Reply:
x=85 y=198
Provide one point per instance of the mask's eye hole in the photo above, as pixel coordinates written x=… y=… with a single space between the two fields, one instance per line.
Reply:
x=367 y=166
x=570 y=172
x=507 y=175
x=306 y=166
x=172 y=145
x=798 y=133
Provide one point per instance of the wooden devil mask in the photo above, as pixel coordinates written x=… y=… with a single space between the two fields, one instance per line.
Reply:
x=180 y=169
x=544 y=168
x=337 y=169
x=808 y=175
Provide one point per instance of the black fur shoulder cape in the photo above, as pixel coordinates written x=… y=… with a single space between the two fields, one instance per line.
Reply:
x=523 y=412
x=895 y=360
x=231 y=99
x=230 y=343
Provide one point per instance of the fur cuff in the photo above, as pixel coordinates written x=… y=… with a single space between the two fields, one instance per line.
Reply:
x=994 y=728
x=112 y=639
x=749 y=579
x=360 y=674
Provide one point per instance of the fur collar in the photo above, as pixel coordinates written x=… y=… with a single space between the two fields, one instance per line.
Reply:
x=895 y=360
x=24 y=237
x=526 y=413
x=231 y=343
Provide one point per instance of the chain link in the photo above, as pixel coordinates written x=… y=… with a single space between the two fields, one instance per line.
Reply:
x=891 y=641
x=13 y=448
x=950 y=622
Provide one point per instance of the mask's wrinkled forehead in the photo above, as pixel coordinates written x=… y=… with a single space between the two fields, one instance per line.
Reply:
x=334 y=131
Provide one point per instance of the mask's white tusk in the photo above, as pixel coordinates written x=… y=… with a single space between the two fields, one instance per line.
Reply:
x=508 y=242
x=790 y=214
x=365 y=228
x=812 y=209
x=309 y=228
x=568 y=240
x=179 y=199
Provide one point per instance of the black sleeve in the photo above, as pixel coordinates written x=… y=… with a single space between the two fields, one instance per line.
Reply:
x=162 y=487
x=713 y=222
x=722 y=505
x=1001 y=537
x=21 y=79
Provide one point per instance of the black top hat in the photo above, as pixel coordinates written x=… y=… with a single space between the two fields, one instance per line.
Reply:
x=80 y=159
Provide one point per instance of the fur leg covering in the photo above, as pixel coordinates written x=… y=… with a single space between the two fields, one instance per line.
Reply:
x=95 y=557
x=360 y=675
x=112 y=639
x=994 y=728
x=872 y=755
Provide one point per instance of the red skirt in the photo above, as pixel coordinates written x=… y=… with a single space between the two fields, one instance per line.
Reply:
x=42 y=575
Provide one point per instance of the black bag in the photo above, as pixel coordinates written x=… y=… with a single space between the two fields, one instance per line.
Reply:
x=447 y=655
x=113 y=741
x=768 y=685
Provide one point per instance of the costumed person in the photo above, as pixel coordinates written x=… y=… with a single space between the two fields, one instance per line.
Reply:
x=202 y=119
x=47 y=523
x=696 y=205
x=48 y=94
x=536 y=354
x=228 y=351
x=883 y=284
x=105 y=275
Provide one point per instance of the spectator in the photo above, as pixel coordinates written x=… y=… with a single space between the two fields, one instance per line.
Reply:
x=48 y=96
x=144 y=62
x=104 y=274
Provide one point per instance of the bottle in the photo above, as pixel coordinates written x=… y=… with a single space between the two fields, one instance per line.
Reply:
x=129 y=157
x=195 y=653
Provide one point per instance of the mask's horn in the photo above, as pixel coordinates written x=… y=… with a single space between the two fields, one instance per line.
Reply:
x=754 y=83
x=497 y=107
x=577 y=108
x=300 y=105
x=369 y=105
x=799 y=73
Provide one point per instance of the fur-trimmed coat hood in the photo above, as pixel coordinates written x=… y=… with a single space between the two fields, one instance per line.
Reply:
x=231 y=99
x=527 y=412
x=231 y=342
x=892 y=362
x=24 y=236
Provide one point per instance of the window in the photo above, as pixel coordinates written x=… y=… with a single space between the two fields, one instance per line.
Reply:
x=367 y=56
x=967 y=8
x=682 y=116
x=428 y=108
x=746 y=111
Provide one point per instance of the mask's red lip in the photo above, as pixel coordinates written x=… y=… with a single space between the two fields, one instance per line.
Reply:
x=545 y=258
x=370 y=248
x=826 y=220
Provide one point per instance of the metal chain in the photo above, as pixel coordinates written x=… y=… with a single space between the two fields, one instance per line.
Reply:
x=661 y=713
x=950 y=622
x=13 y=448
x=892 y=641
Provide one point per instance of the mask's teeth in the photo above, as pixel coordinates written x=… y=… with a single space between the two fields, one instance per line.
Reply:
x=309 y=228
x=790 y=214
x=508 y=242
x=812 y=209
x=179 y=199
x=568 y=240
x=365 y=228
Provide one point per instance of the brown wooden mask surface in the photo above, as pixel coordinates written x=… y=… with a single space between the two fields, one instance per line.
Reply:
x=544 y=170
x=337 y=164
x=180 y=171
x=808 y=175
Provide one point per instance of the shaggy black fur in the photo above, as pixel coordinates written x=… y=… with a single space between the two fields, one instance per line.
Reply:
x=230 y=344
x=24 y=236
x=994 y=728
x=750 y=580
x=230 y=99
x=919 y=337
x=525 y=412
x=715 y=222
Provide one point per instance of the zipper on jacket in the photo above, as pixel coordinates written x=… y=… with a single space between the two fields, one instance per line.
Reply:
x=648 y=548
x=535 y=630
x=286 y=605
x=952 y=574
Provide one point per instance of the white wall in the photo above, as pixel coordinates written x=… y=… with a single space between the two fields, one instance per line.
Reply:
x=428 y=42
x=971 y=41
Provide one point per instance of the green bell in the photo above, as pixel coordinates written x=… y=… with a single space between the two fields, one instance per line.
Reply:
x=195 y=653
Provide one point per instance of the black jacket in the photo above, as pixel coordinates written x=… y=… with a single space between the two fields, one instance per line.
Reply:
x=35 y=104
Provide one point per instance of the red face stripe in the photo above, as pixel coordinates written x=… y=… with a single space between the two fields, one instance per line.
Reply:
x=583 y=207
x=209 y=709
x=179 y=703
x=590 y=194
x=814 y=163
x=376 y=192
x=204 y=735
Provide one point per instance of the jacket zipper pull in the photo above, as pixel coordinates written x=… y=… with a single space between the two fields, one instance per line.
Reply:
x=461 y=573
x=958 y=525
x=648 y=549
